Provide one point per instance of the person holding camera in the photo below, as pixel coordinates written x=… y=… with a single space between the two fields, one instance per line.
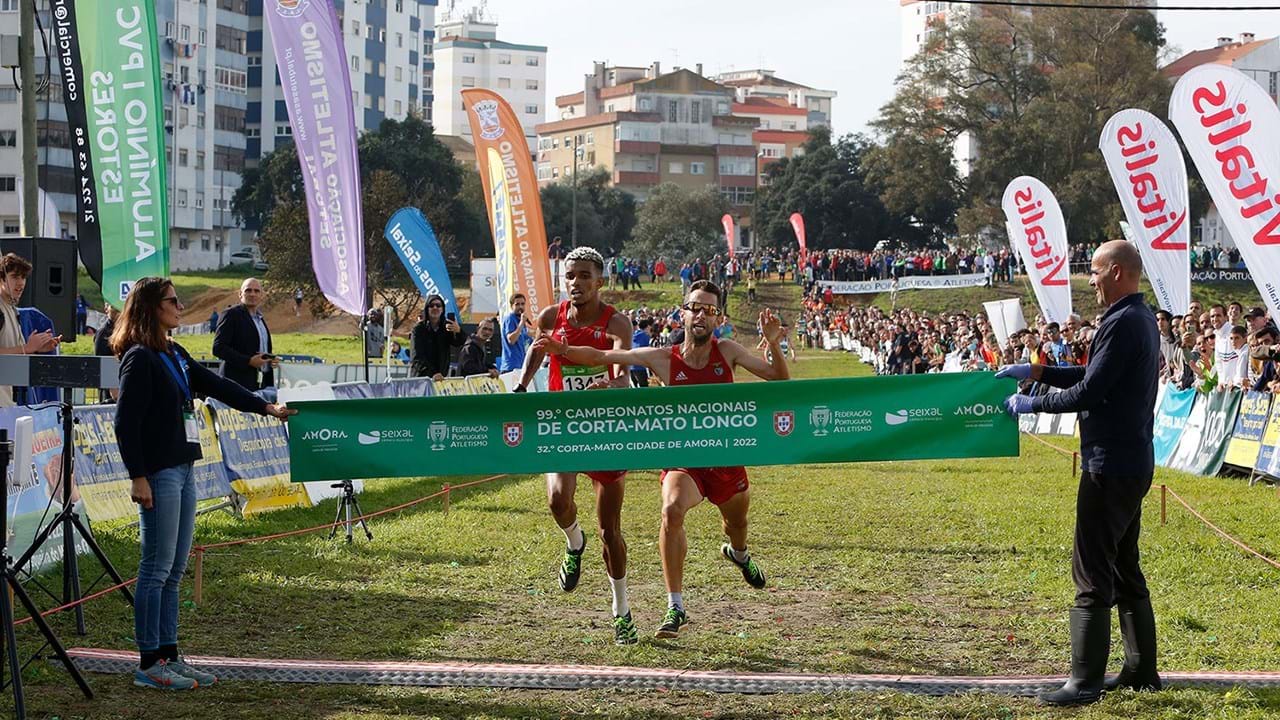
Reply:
x=431 y=340
x=159 y=438
x=243 y=342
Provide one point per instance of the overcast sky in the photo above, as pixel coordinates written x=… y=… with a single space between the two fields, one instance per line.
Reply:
x=850 y=46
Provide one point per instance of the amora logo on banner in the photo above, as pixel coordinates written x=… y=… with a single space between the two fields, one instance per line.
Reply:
x=325 y=435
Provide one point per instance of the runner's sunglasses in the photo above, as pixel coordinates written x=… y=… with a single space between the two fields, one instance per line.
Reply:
x=708 y=310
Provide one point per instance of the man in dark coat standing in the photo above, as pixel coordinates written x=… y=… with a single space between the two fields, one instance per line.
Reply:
x=243 y=342
x=1115 y=397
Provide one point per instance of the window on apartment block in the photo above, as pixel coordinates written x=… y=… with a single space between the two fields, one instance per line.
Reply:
x=504 y=83
x=504 y=59
x=530 y=84
x=531 y=61
x=468 y=81
x=8 y=138
x=184 y=242
x=182 y=198
x=675 y=168
x=697 y=168
x=695 y=112
x=468 y=59
x=673 y=111
x=8 y=183
x=531 y=109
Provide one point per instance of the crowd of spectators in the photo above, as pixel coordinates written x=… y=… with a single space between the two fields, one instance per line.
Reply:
x=1222 y=347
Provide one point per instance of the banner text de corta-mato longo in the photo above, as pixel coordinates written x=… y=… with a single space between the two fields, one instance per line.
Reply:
x=778 y=423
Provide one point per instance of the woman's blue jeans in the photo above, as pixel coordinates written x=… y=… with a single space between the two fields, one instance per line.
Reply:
x=166 y=531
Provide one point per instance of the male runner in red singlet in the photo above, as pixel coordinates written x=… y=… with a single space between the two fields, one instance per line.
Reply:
x=584 y=319
x=700 y=359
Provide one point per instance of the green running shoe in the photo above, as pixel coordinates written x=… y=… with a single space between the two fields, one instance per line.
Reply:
x=751 y=572
x=624 y=630
x=571 y=567
x=671 y=624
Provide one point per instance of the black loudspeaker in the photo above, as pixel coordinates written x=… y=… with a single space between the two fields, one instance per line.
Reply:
x=51 y=287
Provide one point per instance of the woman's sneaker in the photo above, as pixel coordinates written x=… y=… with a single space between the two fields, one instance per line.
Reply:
x=161 y=676
x=202 y=678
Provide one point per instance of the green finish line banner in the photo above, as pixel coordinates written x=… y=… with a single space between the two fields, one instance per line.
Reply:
x=794 y=422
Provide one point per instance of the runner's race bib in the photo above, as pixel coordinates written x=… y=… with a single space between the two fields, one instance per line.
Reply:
x=580 y=377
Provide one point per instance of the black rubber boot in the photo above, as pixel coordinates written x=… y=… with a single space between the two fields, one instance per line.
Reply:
x=1090 y=644
x=1138 y=628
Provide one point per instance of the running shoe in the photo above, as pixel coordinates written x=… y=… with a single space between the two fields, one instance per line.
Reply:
x=571 y=567
x=162 y=677
x=751 y=572
x=671 y=624
x=202 y=678
x=624 y=630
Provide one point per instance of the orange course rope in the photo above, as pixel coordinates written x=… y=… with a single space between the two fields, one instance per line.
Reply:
x=1219 y=531
x=200 y=549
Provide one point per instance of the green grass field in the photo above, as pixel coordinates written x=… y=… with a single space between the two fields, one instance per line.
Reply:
x=946 y=567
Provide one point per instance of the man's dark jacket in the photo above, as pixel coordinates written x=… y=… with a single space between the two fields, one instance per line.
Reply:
x=1115 y=394
x=235 y=341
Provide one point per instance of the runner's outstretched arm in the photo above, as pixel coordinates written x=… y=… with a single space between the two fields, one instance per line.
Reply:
x=656 y=359
x=533 y=359
x=773 y=369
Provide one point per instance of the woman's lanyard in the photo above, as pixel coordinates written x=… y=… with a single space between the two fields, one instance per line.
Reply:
x=178 y=369
x=180 y=377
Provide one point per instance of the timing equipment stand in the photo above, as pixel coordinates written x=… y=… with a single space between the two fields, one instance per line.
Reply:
x=9 y=585
x=347 y=504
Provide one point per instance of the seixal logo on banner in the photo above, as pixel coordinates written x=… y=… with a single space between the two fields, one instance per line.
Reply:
x=291 y=8
x=490 y=127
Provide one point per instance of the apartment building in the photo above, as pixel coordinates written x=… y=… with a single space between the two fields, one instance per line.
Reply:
x=647 y=127
x=468 y=54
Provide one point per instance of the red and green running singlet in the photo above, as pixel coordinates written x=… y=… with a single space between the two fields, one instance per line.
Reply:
x=568 y=376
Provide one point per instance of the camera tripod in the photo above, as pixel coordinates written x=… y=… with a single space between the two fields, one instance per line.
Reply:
x=348 y=506
x=10 y=583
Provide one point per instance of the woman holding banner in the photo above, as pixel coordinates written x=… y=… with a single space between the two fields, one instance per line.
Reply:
x=159 y=441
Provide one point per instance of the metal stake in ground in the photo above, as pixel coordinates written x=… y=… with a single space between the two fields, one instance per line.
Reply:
x=9 y=585
x=348 y=505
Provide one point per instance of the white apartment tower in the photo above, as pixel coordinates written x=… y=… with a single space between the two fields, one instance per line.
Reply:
x=469 y=54
x=920 y=20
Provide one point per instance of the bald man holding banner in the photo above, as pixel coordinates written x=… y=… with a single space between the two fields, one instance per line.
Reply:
x=1115 y=398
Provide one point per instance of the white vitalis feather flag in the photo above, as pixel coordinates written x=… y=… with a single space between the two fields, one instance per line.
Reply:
x=1231 y=127
x=1039 y=234
x=1151 y=179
